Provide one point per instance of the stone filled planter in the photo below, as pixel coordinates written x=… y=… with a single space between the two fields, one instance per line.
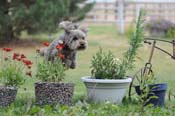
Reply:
x=7 y=95
x=54 y=93
x=101 y=90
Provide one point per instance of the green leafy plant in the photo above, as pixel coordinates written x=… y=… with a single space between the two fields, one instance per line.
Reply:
x=23 y=107
x=145 y=91
x=171 y=33
x=50 y=71
x=11 y=76
x=14 y=68
x=104 y=65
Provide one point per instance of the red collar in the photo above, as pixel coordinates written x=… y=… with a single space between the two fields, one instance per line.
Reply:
x=60 y=46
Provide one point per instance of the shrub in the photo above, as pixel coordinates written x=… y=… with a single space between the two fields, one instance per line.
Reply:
x=159 y=26
x=171 y=33
x=36 y=16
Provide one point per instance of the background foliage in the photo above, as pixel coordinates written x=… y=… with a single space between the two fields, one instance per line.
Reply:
x=36 y=16
x=161 y=27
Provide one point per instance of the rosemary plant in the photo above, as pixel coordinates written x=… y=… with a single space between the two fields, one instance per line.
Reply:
x=105 y=66
x=136 y=40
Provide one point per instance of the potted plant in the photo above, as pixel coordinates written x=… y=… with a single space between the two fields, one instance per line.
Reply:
x=144 y=81
x=150 y=92
x=13 y=70
x=109 y=80
x=50 y=90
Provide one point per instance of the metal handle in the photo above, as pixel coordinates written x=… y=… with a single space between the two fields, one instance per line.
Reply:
x=154 y=46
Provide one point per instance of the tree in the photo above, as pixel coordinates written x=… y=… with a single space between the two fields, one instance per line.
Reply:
x=35 y=16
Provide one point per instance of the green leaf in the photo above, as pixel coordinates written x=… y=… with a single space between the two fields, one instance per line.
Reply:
x=34 y=110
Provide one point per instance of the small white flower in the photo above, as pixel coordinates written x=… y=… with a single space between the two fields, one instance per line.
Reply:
x=117 y=61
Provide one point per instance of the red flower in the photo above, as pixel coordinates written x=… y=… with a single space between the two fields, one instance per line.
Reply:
x=19 y=59
x=27 y=62
x=7 y=49
x=29 y=73
x=61 y=56
x=60 y=46
x=46 y=44
x=23 y=56
x=15 y=56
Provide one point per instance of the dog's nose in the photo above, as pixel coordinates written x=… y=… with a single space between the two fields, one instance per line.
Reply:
x=82 y=44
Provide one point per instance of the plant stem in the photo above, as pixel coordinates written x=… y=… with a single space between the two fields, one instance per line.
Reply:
x=135 y=42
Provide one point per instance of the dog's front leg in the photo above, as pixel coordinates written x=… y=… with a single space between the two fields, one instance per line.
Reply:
x=73 y=61
x=67 y=63
x=70 y=60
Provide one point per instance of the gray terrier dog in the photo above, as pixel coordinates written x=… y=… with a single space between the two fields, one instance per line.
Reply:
x=67 y=45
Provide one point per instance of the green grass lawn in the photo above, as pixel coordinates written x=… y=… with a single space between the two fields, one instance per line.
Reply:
x=107 y=38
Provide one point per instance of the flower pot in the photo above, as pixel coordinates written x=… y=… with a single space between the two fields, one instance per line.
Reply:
x=158 y=90
x=53 y=93
x=101 y=90
x=7 y=95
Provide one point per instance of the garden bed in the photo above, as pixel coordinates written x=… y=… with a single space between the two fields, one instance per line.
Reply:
x=109 y=40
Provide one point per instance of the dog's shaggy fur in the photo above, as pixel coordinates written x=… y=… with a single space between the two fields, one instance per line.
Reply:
x=74 y=39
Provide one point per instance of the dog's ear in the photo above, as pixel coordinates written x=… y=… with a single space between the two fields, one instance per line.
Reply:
x=68 y=26
x=65 y=25
x=84 y=29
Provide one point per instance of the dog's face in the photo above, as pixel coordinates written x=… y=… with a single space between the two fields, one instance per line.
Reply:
x=77 y=40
